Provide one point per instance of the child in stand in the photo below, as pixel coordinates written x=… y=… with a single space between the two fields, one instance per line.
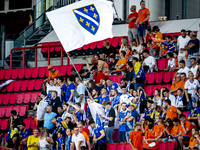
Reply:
x=163 y=51
x=171 y=62
x=60 y=141
x=128 y=51
x=175 y=55
x=68 y=140
x=153 y=51
x=179 y=100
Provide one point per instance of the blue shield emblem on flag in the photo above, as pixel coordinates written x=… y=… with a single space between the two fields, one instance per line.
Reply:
x=88 y=17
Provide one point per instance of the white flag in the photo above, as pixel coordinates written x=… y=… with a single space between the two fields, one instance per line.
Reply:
x=82 y=23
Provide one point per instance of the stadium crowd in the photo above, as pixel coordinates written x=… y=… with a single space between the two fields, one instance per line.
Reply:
x=64 y=118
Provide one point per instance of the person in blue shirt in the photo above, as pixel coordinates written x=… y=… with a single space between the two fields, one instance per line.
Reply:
x=122 y=124
x=170 y=43
x=112 y=85
x=99 y=140
x=48 y=117
x=148 y=113
x=60 y=141
x=115 y=98
x=103 y=97
x=69 y=94
x=130 y=119
x=142 y=99
x=68 y=140
x=24 y=133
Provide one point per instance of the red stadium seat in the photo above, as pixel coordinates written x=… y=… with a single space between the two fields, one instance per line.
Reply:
x=168 y=86
x=63 y=70
x=8 y=110
x=173 y=74
x=34 y=97
x=156 y=87
x=14 y=73
x=17 y=86
x=161 y=145
x=12 y=98
x=118 y=77
x=186 y=113
x=115 y=41
x=42 y=72
x=2 y=112
x=33 y=125
x=93 y=45
x=20 y=97
x=31 y=85
x=4 y=124
x=27 y=97
x=109 y=40
x=1 y=99
x=28 y=72
x=38 y=84
x=21 y=73
x=22 y=110
x=166 y=76
x=23 y=85
x=99 y=44
x=115 y=134
x=120 y=146
x=58 y=49
x=16 y=108
x=161 y=63
x=111 y=146
x=2 y=74
x=57 y=68
x=127 y=146
x=52 y=48
x=148 y=89
x=7 y=74
x=44 y=50
x=79 y=67
x=158 y=77
x=150 y=77
x=6 y=99
x=27 y=122
x=10 y=87
x=35 y=72
x=112 y=77
x=85 y=47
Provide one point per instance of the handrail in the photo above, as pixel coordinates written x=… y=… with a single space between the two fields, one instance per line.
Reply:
x=36 y=47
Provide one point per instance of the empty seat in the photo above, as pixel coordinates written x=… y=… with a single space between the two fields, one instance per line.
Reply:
x=8 y=110
x=2 y=112
x=27 y=97
x=7 y=74
x=99 y=44
x=112 y=78
x=27 y=122
x=57 y=68
x=23 y=85
x=9 y=87
x=22 y=110
x=63 y=70
x=119 y=146
x=20 y=97
x=31 y=85
x=115 y=41
x=58 y=49
x=42 y=72
x=21 y=73
x=111 y=146
x=52 y=48
x=4 y=124
x=173 y=74
x=93 y=45
x=16 y=108
x=161 y=63
x=6 y=98
x=150 y=77
x=33 y=125
x=14 y=73
x=38 y=84
x=166 y=77
x=118 y=78
x=148 y=89
x=34 y=97
x=158 y=77
x=17 y=86
x=2 y=74
x=12 y=98
x=168 y=86
x=44 y=50
x=28 y=72
x=35 y=72
x=1 y=99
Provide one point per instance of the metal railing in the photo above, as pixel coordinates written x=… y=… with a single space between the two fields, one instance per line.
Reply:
x=23 y=49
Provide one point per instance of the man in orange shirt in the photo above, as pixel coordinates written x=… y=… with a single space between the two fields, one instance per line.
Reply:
x=143 y=20
x=135 y=138
x=52 y=72
x=121 y=64
x=132 y=28
x=186 y=128
x=177 y=84
x=171 y=110
x=149 y=138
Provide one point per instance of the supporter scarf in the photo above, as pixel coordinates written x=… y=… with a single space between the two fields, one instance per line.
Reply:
x=106 y=122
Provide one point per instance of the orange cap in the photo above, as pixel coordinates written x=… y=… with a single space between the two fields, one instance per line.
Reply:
x=50 y=67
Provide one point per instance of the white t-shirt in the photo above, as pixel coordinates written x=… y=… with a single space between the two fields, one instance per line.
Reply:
x=81 y=90
x=54 y=88
x=159 y=102
x=194 y=70
x=181 y=43
x=172 y=63
x=122 y=49
x=78 y=138
x=179 y=101
x=150 y=61
x=192 y=87
x=138 y=48
x=67 y=114
x=185 y=70
x=172 y=99
x=127 y=98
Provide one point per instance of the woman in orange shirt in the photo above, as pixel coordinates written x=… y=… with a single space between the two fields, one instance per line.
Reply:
x=150 y=139
x=194 y=139
x=159 y=128
x=128 y=51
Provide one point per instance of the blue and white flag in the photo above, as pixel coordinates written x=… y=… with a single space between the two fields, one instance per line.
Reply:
x=5 y=83
x=82 y=23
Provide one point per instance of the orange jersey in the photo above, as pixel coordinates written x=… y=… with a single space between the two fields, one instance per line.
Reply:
x=136 y=135
x=176 y=130
x=193 y=142
x=146 y=128
x=120 y=62
x=128 y=53
x=176 y=64
x=149 y=135
x=187 y=125
x=158 y=129
x=142 y=15
x=171 y=112
x=176 y=85
x=54 y=74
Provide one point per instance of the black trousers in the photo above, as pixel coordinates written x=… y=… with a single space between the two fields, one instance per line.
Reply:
x=100 y=146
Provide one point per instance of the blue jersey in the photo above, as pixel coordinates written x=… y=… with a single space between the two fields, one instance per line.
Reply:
x=171 y=47
x=98 y=134
x=102 y=100
x=114 y=86
x=24 y=134
x=68 y=142
x=80 y=115
x=115 y=101
x=69 y=90
x=129 y=124
x=122 y=115
x=64 y=88
x=60 y=142
x=148 y=113
x=144 y=96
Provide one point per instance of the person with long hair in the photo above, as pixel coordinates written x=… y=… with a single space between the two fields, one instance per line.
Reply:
x=157 y=98
x=45 y=140
x=159 y=128
x=13 y=143
x=194 y=139
x=33 y=140
x=124 y=42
